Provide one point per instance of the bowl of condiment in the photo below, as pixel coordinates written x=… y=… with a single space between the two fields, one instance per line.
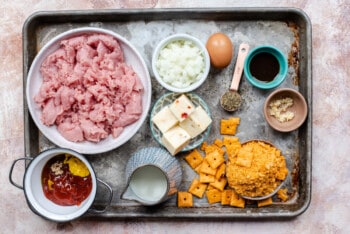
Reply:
x=265 y=67
x=60 y=185
x=88 y=89
x=257 y=171
x=285 y=110
x=180 y=63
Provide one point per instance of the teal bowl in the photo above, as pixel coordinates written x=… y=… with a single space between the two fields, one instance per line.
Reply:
x=266 y=61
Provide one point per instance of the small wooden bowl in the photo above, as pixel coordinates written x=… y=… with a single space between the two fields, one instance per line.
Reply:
x=299 y=108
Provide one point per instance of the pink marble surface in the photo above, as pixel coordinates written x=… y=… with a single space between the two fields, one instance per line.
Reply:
x=329 y=211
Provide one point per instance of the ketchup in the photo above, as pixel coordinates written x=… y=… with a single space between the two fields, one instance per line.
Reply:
x=61 y=186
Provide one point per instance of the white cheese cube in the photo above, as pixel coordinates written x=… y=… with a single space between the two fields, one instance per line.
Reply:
x=175 y=139
x=197 y=122
x=164 y=119
x=182 y=107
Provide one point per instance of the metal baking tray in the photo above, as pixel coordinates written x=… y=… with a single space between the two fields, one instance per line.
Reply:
x=287 y=28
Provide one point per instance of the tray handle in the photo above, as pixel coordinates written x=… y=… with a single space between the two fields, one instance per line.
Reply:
x=11 y=170
x=96 y=211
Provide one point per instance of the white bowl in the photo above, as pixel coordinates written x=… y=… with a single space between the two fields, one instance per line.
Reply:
x=171 y=39
x=35 y=195
x=34 y=81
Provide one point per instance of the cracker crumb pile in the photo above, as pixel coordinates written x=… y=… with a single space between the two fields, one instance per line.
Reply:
x=256 y=169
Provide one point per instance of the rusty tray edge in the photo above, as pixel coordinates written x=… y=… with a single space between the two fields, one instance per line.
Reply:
x=260 y=13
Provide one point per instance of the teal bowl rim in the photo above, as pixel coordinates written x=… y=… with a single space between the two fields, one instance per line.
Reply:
x=281 y=76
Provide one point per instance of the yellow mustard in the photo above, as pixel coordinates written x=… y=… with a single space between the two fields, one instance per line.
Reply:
x=76 y=166
x=50 y=183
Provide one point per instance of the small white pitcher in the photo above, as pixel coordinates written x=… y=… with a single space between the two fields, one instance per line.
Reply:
x=153 y=176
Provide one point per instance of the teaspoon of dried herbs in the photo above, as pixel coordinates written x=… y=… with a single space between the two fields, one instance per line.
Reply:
x=231 y=99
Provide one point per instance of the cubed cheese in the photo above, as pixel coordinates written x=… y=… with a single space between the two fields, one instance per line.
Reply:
x=164 y=119
x=197 y=122
x=182 y=107
x=175 y=139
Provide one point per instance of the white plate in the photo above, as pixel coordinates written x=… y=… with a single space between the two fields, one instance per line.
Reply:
x=166 y=100
x=34 y=81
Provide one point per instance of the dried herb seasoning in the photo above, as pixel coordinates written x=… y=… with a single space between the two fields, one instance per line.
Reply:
x=230 y=101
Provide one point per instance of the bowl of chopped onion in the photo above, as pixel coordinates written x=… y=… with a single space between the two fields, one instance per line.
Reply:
x=180 y=63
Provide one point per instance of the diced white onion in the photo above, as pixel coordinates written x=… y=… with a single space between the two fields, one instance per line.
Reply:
x=180 y=63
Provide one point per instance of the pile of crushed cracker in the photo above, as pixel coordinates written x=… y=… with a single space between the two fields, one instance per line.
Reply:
x=256 y=169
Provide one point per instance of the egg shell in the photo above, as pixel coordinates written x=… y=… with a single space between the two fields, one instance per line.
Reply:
x=220 y=49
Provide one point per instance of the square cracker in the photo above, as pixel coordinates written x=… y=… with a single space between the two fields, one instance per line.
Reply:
x=210 y=148
x=207 y=168
x=194 y=158
x=184 y=199
x=231 y=143
x=226 y=197
x=213 y=196
x=206 y=178
x=215 y=159
x=265 y=202
x=229 y=126
x=232 y=146
x=218 y=142
x=221 y=171
x=197 y=188
x=237 y=200
x=204 y=145
x=210 y=187
x=244 y=158
x=219 y=183
x=198 y=168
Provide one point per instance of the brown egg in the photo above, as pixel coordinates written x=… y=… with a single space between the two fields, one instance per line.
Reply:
x=220 y=50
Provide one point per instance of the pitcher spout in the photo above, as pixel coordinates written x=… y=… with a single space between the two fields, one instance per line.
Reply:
x=128 y=194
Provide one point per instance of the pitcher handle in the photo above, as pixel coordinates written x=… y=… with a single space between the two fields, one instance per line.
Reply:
x=11 y=170
x=92 y=210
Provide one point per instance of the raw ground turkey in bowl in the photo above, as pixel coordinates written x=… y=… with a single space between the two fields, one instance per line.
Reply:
x=88 y=91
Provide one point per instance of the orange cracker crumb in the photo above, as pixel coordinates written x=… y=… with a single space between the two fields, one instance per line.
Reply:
x=282 y=194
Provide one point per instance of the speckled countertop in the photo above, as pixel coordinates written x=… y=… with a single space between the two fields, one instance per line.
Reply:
x=329 y=211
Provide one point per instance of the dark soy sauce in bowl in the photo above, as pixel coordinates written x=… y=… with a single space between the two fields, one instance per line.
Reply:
x=264 y=67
